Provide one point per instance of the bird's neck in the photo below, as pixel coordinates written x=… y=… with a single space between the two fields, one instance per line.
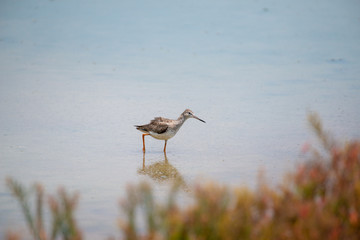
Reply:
x=179 y=122
x=181 y=119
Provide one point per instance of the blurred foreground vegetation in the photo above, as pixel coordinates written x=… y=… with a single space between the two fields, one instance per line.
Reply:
x=319 y=200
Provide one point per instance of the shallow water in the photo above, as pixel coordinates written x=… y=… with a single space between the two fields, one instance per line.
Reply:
x=76 y=77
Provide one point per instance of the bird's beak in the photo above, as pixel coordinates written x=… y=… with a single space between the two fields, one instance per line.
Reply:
x=198 y=119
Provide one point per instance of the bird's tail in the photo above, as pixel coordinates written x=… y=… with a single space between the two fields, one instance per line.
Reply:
x=141 y=128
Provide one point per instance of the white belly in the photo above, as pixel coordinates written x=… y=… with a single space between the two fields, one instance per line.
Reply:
x=164 y=136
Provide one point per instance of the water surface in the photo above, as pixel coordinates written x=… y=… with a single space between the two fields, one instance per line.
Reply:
x=76 y=76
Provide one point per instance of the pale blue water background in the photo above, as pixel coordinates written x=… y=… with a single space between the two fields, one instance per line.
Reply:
x=75 y=76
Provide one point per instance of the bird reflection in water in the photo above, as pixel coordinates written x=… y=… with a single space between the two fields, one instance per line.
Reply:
x=162 y=171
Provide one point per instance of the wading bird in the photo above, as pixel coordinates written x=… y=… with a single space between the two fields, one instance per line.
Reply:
x=163 y=128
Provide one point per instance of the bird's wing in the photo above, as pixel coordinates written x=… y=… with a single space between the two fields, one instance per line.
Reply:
x=158 y=125
x=158 y=128
x=161 y=120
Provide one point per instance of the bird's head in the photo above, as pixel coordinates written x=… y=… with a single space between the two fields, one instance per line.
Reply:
x=189 y=114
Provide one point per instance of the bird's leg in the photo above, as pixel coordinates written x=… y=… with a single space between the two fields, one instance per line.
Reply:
x=165 y=146
x=166 y=160
x=143 y=137
x=143 y=161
